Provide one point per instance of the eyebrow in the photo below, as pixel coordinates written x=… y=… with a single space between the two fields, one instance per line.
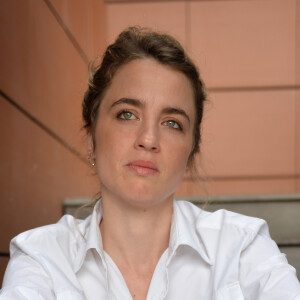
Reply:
x=177 y=111
x=140 y=104
x=130 y=101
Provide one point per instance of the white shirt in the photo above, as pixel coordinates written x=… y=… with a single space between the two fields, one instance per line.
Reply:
x=220 y=255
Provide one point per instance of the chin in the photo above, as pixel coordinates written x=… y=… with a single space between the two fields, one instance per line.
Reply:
x=146 y=197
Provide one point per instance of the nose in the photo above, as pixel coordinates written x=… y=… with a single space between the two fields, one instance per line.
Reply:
x=148 y=138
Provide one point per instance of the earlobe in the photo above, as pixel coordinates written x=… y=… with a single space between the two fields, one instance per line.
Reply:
x=91 y=159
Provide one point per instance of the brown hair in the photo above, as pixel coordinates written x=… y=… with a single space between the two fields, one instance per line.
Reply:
x=137 y=43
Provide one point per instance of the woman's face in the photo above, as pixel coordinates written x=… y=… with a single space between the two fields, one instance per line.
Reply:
x=144 y=133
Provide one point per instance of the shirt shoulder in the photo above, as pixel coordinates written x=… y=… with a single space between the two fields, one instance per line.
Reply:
x=61 y=242
x=240 y=248
x=43 y=260
x=223 y=225
x=216 y=220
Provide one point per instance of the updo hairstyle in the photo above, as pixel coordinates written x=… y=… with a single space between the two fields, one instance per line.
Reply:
x=138 y=43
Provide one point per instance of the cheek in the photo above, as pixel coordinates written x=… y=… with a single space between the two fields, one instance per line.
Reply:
x=111 y=143
x=178 y=154
x=105 y=144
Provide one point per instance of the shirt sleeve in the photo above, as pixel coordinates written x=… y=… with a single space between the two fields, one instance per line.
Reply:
x=25 y=279
x=265 y=272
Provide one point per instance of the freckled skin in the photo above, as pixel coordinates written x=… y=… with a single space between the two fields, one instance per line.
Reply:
x=146 y=133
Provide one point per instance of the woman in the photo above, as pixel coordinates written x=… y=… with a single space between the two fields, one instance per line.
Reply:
x=142 y=112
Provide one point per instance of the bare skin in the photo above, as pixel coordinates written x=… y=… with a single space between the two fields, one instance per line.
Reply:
x=143 y=139
x=135 y=242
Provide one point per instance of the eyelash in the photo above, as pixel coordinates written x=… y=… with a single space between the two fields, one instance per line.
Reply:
x=176 y=123
x=122 y=112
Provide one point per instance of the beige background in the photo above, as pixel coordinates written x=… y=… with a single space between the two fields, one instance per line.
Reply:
x=248 y=53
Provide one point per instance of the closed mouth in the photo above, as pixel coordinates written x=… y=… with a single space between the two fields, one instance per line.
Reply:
x=143 y=167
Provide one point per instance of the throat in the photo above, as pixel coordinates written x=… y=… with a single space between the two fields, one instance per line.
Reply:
x=136 y=236
x=135 y=240
x=138 y=278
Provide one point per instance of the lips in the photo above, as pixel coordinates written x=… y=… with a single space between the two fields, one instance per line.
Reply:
x=143 y=167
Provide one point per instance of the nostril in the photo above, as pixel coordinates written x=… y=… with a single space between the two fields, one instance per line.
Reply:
x=148 y=144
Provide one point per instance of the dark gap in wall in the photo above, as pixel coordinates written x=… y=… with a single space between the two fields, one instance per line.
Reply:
x=4 y=254
x=289 y=245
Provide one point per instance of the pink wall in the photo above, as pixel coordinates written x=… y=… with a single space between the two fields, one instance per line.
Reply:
x=246 y=52
x=297 y=96
x=249 y=56
x=44 y=71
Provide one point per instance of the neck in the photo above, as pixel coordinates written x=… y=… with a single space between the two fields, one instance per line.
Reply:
x=135 y=238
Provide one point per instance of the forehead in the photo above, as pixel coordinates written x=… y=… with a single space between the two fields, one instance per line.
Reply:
x=152 y=83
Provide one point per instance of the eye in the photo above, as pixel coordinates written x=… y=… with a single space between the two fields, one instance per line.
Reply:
x=173 y=124
x=126 y=115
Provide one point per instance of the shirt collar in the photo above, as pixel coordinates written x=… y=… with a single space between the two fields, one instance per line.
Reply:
x=90 y=233
x=184 y=231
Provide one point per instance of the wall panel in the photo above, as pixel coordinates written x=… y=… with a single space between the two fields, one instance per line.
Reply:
x=249 y=133
x=37 y=174
x=162 y=16
x=236 y=187
x=86 y=20
x=41 y=69
x=244 y=43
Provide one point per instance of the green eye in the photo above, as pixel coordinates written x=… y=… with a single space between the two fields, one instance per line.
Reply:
x=172 y=124
x=126 y=115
